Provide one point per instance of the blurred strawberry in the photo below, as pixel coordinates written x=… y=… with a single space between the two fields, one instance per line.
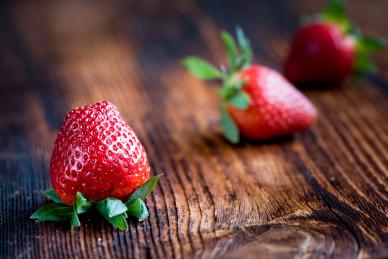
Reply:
x=257 y=102
x=329 y=49
x=276 y=108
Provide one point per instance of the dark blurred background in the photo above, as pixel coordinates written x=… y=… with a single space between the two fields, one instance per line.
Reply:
x=69 y=53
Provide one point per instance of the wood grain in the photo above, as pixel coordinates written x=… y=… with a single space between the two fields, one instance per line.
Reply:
x=322 y=192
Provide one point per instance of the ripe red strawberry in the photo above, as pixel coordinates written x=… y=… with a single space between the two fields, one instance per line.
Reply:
x=97 y=160
x=322 y=53
x=256 y=100
x=98 y=154
x=277 y=108
x=328 y=50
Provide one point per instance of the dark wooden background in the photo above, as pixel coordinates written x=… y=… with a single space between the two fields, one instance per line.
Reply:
x=321 y=193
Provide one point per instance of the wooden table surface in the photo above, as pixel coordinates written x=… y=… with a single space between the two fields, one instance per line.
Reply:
x=320 y=193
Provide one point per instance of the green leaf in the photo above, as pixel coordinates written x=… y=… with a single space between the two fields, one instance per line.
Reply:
x=117 y=221
x=245 y=47
x=137 y=208
x=143 y=191
x=231 y=48
x=364 y=65
x=354 y=31
x=231 y=87
x=234 y=82
x=52 y=195
x=74 y=219
x=82 y=205
x=115 y=207
x=144 y=212
x=134 y=206
x=336 y=12
x=53 y=212
x=231 y=131
x=112 y=207
x=238 y=85
x=365 y=46
x=201 y=69
x=370 y=45
x=227 y=92
x=240 y=100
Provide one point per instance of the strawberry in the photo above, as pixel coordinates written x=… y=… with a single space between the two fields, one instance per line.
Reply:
x=327 y=50
x=276 y=107
x=257 y=101
x=97 y=158
x=98 y=154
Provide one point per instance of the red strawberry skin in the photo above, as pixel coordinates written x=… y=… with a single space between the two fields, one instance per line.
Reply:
x=320 y=53
x=98 y=154
x=277 y=108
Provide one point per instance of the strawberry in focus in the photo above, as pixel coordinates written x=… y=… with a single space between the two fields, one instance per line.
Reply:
x=98 y=154
x=98 y=161
x=329 y=49
x=256 y=101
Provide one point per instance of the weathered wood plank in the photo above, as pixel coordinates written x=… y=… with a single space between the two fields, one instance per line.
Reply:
x=321 y=192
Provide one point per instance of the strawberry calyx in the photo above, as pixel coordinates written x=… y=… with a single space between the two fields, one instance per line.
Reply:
x=335 y=13
x=113 y=210
x=240 y=56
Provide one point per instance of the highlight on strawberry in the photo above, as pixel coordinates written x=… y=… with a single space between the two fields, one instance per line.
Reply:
x=97 y=164
x=256 y=101
x=329 y=48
